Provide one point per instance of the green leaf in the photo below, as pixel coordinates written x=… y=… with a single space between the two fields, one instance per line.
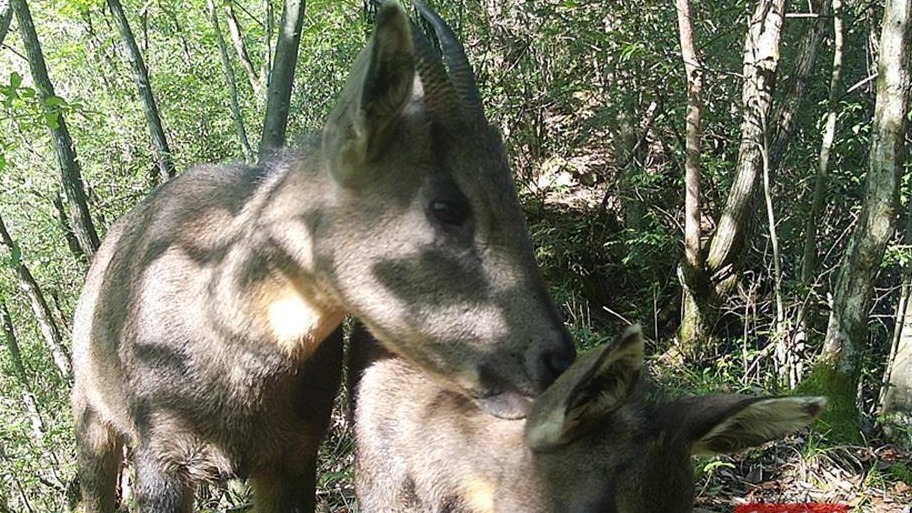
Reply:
x=52 y=120
x=54 y=101
x=15 y=256
x=15 y=80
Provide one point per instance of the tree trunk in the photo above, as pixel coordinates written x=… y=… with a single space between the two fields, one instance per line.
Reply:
x=809 y=252
x=72 y=241
x=761 y=58
x=149 y=107
x=896 y=395
x=809 y=275
x=71 y=175
x=281 y=78
x=729 y=243
x=28 y=398
x=232 y=84
x=237 y=38
x=690 y=270
x=837 y=369
x=12 y=345
x=267 y=46
x=39 y=306
x=792 y=102
x=631 y=155
x=6 y=16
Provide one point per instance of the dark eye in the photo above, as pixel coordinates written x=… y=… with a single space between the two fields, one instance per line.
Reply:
x=448 y=212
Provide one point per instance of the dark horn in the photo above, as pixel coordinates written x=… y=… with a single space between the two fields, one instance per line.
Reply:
x=460 y=71
x=439 y=93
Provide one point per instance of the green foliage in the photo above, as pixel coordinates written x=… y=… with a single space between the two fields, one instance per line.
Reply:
x=901 y=471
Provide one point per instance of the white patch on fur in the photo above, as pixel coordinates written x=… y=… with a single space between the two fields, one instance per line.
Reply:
x=479 y=495
x=294 y=321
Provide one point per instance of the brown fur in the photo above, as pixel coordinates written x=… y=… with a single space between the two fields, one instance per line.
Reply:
x=599 y=440
x=203 y=338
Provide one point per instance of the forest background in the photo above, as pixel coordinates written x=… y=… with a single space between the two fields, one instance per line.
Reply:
x=731 y=175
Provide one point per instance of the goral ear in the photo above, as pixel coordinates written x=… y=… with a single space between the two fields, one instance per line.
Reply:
x=377 y=91
x=594 y=386
x=730 y=423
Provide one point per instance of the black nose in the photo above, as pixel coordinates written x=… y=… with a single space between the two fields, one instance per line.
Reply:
x=553 y=362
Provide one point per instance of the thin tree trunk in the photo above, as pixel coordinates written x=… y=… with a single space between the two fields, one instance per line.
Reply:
x=28 y=398
x=232 y=84
x=761 y=59
x=837 y=368
x=808 y=277
x=237 y=39
x=690 y=271
x=281 y=78
x=12 y=345
x=72 y=241
x=71 y=175
x=809 y=253
x=267 y=47
x=782 y=352
x=39 y=306
x=146 y=98
x=631 y=155
x=6 y=16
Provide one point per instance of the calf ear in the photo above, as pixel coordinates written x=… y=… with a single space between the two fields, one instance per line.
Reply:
x=730 y=423
x=597 y=384
x=377 y=91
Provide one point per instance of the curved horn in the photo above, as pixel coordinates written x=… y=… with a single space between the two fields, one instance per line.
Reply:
x=439 y=93
x=460 y=71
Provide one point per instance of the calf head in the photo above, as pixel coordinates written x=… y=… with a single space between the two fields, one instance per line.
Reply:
x=602 y=421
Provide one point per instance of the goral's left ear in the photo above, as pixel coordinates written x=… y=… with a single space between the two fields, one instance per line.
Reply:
x=380 y=85
x=597 y=384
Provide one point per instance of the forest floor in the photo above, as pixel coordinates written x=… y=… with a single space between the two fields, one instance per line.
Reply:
x=873 y=478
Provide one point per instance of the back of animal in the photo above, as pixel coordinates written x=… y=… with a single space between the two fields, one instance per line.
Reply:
x=206 y=339
x=599 y=440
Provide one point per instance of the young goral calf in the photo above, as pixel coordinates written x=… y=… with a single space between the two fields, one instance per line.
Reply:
x=600 y=439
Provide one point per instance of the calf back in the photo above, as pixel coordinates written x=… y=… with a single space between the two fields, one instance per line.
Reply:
x=600 y=439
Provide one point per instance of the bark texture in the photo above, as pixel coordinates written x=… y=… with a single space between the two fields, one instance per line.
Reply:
x=792 y=101
x=891 y=123
x=691 y=268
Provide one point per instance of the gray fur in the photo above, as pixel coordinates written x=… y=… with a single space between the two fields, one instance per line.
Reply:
x=205 y=337
x=599 y=440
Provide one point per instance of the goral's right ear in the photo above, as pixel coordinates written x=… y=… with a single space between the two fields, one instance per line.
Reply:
x=378 y=89
x=594 y=386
